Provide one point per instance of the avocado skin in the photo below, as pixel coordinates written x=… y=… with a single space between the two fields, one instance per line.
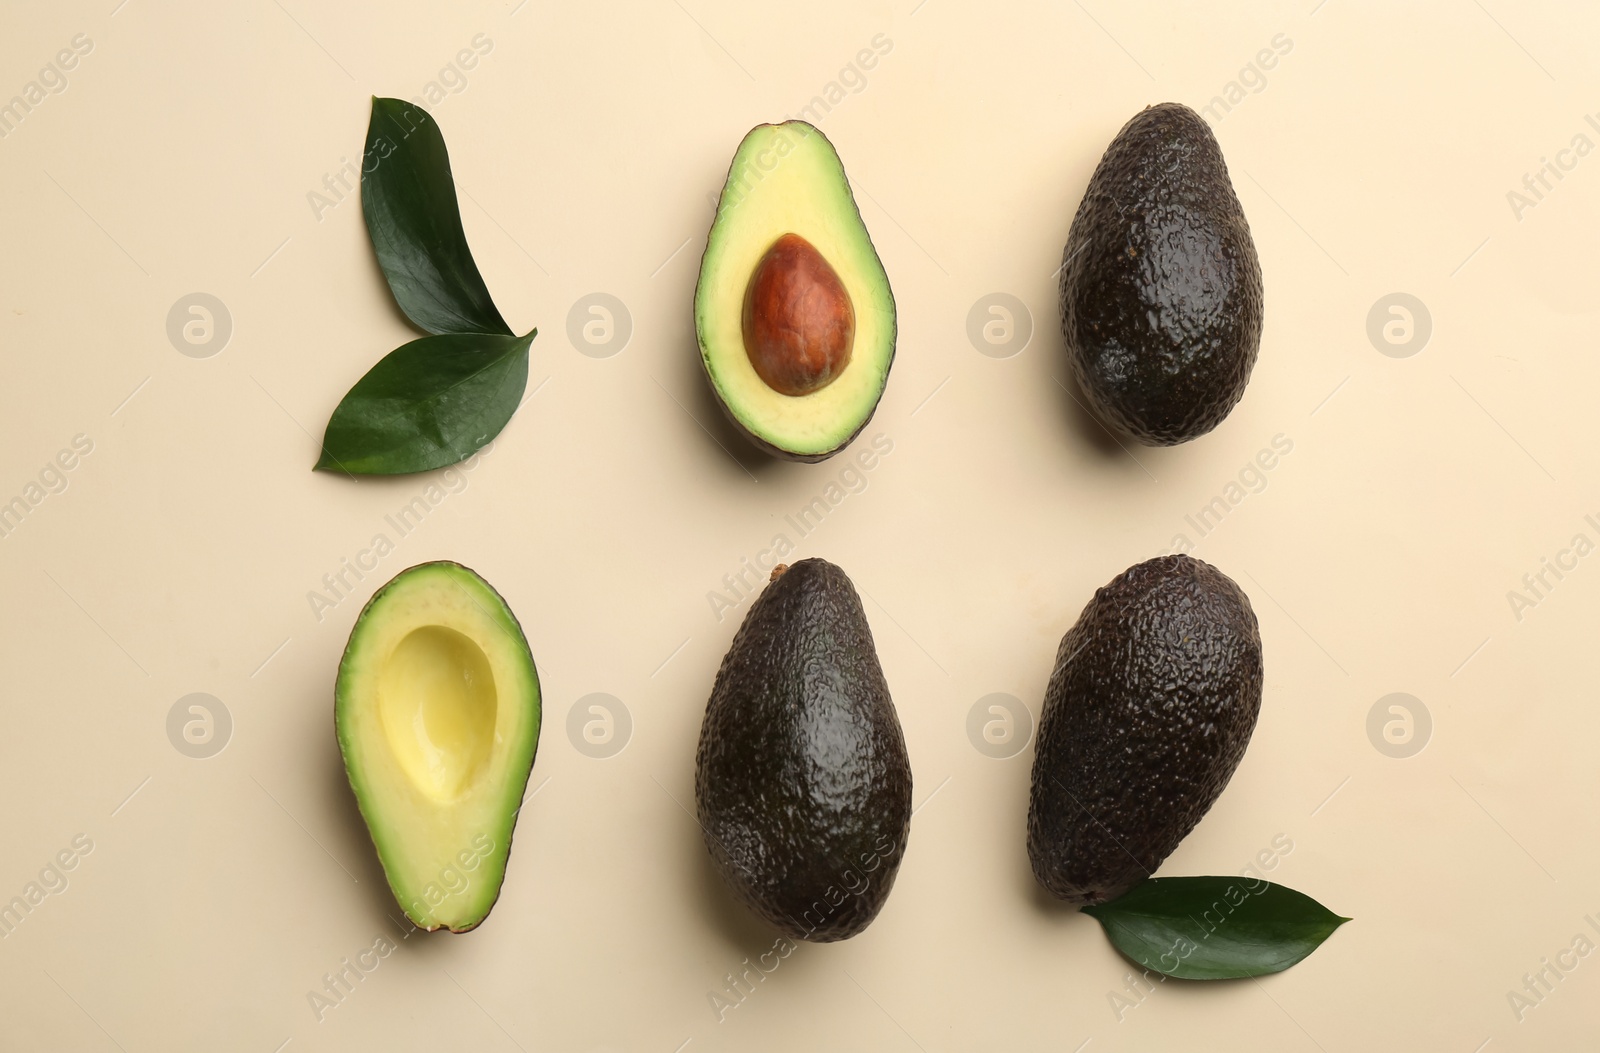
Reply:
x=1161 y=302
x=1152 y=702
x=803 y=786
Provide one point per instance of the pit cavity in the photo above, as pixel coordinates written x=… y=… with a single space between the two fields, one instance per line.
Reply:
x=437 y=699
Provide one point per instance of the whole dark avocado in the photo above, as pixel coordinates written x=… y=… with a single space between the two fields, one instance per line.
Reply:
x=1152 y=702
x=1160 y=283
x=802 y=782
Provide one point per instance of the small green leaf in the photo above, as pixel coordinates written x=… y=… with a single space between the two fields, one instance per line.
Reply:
x=1215 y=928
x=428 y=404
x=409 y=199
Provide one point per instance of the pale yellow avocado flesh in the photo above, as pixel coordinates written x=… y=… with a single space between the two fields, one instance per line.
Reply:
x=787 y=179
x=437 y=712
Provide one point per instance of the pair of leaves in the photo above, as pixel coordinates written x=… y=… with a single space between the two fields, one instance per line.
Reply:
x=1214 y=928
x=434 y=401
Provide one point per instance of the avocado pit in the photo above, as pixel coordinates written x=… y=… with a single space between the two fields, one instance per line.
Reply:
x=799 y=325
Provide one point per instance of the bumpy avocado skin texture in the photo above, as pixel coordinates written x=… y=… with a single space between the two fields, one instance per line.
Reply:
x=1160 y=284
x=1152 y=702
x=803 y=785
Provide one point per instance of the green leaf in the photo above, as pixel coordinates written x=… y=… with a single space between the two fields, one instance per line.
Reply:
x=428 y=404
x=1215 y=928
x=409 y=199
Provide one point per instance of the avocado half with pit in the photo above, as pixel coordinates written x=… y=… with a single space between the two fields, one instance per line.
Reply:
x=437 y=713
x=793 y=311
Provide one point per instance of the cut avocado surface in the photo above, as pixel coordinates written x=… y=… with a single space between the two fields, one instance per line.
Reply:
x=437 y=713
x=793 y=310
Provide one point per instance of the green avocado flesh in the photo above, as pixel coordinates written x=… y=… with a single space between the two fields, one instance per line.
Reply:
x=437 y=713
x=787 y=179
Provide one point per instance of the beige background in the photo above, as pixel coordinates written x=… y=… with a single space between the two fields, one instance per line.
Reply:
x=1376 y=159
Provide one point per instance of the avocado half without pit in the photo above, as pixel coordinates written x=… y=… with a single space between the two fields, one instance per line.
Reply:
x=436 y=708
x=793 y=311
